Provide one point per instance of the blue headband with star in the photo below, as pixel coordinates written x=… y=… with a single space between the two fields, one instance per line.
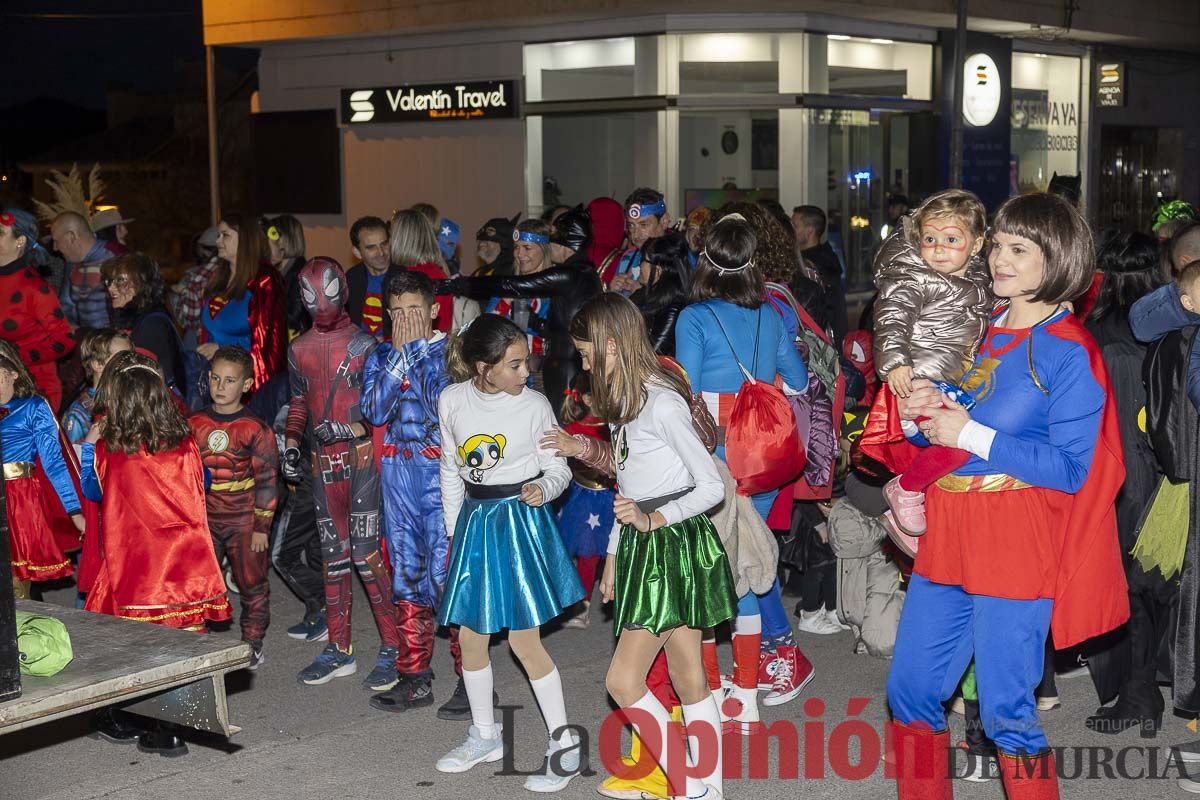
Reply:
x=639 y=210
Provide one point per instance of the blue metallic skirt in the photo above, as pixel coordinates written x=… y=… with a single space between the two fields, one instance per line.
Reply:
x=508 y=568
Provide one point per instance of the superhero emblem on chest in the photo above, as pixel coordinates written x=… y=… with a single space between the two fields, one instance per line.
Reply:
x=980 y=382
x=218 y=441
x=621 y=448
x=481 y=453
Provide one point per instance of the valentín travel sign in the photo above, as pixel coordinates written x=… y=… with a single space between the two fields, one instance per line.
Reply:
x=435 y=101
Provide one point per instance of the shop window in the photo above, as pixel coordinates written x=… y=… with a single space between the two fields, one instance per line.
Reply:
x=868 y=156
x=879 y=67
x=596 y=68
x=725 y=152
x=582 y=157
x=1045 y=119
x=1140 y=169
x=727 y=63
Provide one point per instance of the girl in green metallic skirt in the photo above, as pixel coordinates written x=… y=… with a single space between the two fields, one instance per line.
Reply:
x=666 y=568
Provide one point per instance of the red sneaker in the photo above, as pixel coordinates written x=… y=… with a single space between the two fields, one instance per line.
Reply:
x=793 y=671
x=766 y=669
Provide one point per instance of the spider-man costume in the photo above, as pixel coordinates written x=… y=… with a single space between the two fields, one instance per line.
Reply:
x=326 y=369
x=401 y=390
x=239 y=451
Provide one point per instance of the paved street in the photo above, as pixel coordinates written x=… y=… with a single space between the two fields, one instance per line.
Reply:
x=300 y=742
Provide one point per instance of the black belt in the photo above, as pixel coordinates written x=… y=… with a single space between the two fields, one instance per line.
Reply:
x=650 y=505
x=497 y=491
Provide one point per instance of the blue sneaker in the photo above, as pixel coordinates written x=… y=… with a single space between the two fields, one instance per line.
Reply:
x=474 y=750
x=332 y=663
x=312 y=628
x=557 y=772
x=384 y=676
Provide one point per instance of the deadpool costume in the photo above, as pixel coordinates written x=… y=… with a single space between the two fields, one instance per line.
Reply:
x=326 y=376
x=239 y=451
x=568 y=286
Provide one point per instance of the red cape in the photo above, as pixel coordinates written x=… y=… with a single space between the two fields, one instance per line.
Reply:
x=1091 y=596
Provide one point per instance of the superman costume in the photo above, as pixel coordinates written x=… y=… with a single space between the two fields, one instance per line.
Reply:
x=1022 y=538
x=239 y=452
x=401 y=387
x=157 y=561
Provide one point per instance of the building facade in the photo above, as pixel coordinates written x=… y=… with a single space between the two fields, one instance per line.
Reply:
x=506 y=115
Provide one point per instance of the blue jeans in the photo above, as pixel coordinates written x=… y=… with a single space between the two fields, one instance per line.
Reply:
x=941 y=628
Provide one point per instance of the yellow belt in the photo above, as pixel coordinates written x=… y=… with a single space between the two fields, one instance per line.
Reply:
x=17 y=469
x=588 y=483
x=998 y=482
x=232 y=486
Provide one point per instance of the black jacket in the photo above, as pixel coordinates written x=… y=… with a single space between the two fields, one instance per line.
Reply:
x=298 y=319
x=356 y=287
x=568 y=285
x=153 y=329
x=826 y=261
x=660 y=314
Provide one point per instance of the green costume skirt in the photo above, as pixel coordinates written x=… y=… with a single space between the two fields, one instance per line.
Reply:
x=675 y=575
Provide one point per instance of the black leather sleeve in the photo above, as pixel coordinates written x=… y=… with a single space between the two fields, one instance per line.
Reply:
x=554 y=282
x=662 y=326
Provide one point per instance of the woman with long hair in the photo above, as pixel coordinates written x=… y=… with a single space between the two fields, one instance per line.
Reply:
x=285 y=238
x=666 y=282
x=244 y=302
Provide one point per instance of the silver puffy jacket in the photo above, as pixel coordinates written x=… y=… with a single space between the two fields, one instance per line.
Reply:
x=926 y=320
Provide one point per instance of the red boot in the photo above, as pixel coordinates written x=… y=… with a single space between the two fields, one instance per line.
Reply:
x=921 y=762
x=1029 y=777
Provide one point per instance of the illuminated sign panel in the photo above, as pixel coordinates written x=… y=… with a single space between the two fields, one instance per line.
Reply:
x=439 y=101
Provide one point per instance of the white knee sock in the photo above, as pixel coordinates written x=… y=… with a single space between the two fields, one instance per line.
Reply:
x=549 y=694
x=704 y=713
x=478 y=684
x=668 y=738
x=747 y=625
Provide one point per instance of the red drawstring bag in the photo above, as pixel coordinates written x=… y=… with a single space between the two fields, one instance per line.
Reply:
x=762 y=444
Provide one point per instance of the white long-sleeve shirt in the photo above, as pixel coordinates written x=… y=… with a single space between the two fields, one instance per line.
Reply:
x=659 y=454
x=490 y=439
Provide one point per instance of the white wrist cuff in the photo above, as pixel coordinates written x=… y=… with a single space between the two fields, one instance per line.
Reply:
x=976 y=439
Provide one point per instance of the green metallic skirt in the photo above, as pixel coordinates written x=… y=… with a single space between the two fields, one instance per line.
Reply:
x=675 y=575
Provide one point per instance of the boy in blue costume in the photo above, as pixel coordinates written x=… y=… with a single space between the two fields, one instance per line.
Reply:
x=402 y=382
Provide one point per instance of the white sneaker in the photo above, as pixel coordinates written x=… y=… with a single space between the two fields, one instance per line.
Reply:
x=474 y=750
x=739 y=710
x=981 y=768
x=831 y=614
x=580 y=620
x=1048 y=703
x=558 y=772
x=816 y=622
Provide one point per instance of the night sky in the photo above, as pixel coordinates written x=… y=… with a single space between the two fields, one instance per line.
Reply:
x=74 y=49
